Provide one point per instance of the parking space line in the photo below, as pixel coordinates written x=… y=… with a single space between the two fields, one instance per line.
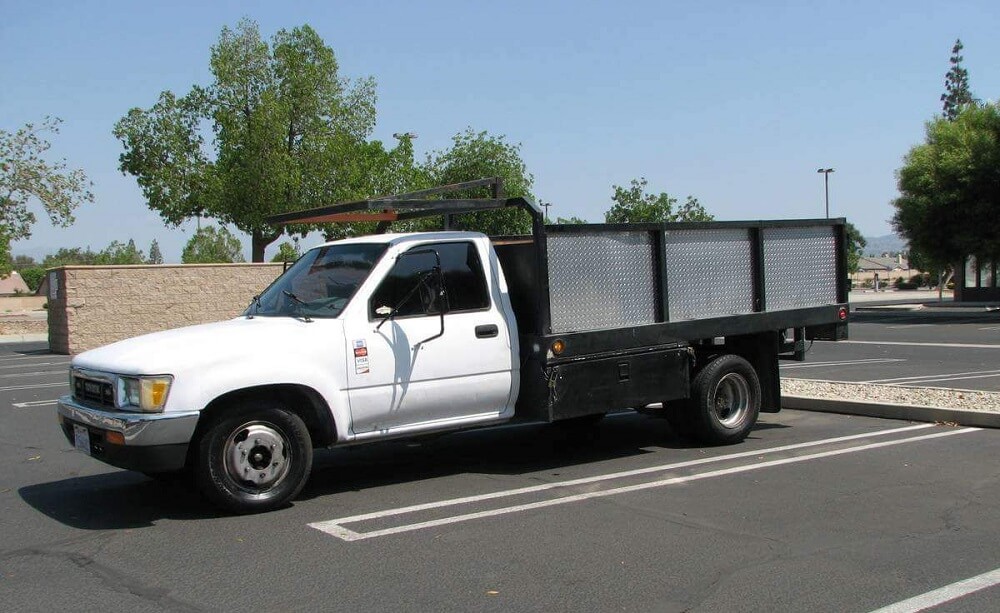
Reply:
x=864 y=362
x=920 y=379
x=11 y=388
x=34 y=364
x=945 y=594
x=34 y=403
x=913 y=344
x=41 y=356
x=335 y=527
x=37 y=373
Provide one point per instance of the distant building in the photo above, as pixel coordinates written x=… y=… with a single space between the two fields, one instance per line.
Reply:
x=887 y=268
x=13 y=284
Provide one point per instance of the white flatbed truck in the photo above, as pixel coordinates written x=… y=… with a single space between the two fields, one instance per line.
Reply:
x=401 y=335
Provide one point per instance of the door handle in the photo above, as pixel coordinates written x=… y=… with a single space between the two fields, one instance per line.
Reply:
x=487 y=331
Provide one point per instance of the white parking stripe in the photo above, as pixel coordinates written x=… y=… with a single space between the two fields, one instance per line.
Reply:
x=920 y=382
x=944 y=594
x=35 y=403
x=929 y=377
x=335 y=526
x=39 y=373
x=909 y=344
x=842 y=363
x=41 y=356
x=34 y=364
x=11 y=388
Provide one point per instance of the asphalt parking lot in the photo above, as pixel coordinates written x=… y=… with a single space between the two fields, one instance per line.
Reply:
x=814 y=512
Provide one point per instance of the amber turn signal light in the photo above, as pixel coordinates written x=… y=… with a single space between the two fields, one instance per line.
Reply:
x=558 y=346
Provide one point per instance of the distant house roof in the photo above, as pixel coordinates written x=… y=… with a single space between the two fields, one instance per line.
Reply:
x=13 y=284
x=883 y=264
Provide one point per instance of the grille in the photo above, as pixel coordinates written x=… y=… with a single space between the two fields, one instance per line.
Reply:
x=94 y=392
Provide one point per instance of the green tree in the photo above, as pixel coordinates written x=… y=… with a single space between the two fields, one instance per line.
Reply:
x=74 y=256
x=288 y=132
x=949 y=188
x=956 y=85
x=287 y=252
x=23 y=261
x=634 y=205
x=26 y=176
x=118 y=253
x=33 y=276
x=570 y=220
x=155 y=257
x=855 y=247
x=211 y=245
x=477 y=155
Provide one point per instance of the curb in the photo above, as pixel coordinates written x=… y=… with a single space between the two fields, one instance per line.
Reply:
x=909 y=412
x=23 y=338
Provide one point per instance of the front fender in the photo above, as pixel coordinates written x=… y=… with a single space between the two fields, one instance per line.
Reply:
x=327 y=380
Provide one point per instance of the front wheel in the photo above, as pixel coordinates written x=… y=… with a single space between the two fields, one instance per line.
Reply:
x=254 y=460
x=725 y=401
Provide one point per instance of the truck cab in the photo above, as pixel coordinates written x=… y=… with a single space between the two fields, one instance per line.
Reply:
x=368 y=338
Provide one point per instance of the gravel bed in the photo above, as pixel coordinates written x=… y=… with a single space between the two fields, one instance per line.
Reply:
x=968 y=400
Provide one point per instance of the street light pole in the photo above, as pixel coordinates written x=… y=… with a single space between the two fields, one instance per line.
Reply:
x=826 y=184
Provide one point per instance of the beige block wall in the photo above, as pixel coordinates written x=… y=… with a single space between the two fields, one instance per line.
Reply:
x=92 y=306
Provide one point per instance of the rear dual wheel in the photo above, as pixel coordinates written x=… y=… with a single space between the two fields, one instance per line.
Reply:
x=724 y=403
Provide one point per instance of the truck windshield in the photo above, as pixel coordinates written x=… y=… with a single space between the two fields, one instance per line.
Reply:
x=320 y=283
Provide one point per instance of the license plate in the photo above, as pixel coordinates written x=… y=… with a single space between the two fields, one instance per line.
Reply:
x=81 y=438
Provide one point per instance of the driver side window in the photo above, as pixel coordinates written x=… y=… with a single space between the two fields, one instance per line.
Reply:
x=464 y=281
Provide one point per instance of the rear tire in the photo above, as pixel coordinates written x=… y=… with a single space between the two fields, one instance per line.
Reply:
x=255 y=459
x=725 y=401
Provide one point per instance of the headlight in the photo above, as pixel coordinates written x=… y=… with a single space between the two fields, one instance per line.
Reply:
x=147 y=394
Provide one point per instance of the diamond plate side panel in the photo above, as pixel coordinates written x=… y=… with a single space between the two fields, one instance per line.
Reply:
x=601 y=280
x=800 y=267
x=709 y=273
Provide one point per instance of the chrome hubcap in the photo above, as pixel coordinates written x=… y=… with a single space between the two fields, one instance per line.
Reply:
x=732 y=400
x=256 y=456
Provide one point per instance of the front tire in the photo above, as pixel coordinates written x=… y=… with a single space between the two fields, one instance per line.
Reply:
x=254 y=460
x=725 y=401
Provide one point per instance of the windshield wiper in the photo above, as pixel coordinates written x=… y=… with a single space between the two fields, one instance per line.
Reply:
x=297 y=300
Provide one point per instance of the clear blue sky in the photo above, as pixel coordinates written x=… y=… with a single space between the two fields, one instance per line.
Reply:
x=736 y=103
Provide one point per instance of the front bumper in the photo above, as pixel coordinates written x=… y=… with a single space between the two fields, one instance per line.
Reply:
x=154 y=442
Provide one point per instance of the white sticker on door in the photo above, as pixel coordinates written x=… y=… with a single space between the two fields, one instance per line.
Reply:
x=360 y=357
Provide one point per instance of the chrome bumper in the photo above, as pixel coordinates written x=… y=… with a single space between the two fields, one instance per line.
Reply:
x=139 y=429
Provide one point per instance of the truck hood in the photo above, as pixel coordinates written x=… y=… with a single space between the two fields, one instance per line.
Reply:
x=203 y=346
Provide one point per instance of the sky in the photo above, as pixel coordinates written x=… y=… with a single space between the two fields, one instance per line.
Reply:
x=735 y=103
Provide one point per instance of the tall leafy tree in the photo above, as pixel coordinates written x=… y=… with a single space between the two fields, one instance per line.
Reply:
x=949 y=188
x=956 y=85
x=121 y=253
x=633 y=204
x=855 y=247
x=288 y=133
x=287 y=252
x=211 y=245
x=155 y=257
x=26 y=175
x=477 y=155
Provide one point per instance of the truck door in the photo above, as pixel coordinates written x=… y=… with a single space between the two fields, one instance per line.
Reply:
x=414 y=371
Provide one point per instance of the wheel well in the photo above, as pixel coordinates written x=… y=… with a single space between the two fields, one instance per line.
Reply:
x=761 y=350
x=304 y=401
